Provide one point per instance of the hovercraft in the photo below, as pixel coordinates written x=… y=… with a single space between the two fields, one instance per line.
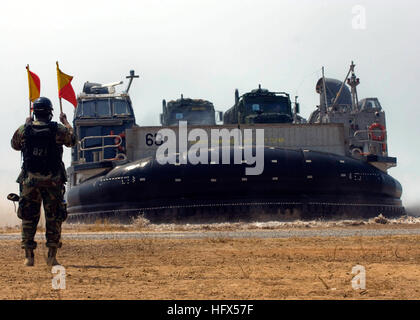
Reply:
x=335 y=164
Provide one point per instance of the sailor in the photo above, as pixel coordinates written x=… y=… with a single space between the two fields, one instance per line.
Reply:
x=43 y=177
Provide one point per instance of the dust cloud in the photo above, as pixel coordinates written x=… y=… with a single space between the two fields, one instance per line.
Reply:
x=8 y=215
x=413 y=210
x=143 y=224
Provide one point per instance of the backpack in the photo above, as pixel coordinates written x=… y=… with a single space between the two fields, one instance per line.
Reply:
x=40 y=151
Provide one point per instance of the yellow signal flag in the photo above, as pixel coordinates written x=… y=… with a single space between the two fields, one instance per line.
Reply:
x=65 y=90
x=34 y=85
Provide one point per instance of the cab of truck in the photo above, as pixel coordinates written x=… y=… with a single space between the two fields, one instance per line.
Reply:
x=260 y=106
x=194 y=111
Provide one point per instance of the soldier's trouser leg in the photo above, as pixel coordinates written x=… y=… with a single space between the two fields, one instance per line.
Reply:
x=55 y=214
x=29 y=212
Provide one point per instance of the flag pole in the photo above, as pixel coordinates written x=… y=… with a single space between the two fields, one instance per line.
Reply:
x=59 y=98
x=61 y=106
x=30 y=113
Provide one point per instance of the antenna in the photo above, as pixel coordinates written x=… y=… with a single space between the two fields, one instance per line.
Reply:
x=131 y=77
x=236 y=96
x=324 y=107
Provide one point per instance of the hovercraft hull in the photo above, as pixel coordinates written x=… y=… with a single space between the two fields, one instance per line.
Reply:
x=299 y=183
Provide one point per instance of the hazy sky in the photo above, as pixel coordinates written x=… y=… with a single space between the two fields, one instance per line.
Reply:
x=206 y=49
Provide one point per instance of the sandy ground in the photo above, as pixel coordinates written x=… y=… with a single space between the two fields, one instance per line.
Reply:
x=218 y=268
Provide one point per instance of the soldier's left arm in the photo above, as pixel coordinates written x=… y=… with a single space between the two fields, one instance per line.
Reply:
x=17 y=139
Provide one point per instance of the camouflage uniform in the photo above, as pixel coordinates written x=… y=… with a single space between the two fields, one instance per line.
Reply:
x=49 y=189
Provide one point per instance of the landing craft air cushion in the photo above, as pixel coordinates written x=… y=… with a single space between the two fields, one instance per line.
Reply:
x=334 y=164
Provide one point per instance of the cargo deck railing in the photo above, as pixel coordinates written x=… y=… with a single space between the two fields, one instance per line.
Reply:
x=369 y=143
x=99 y=156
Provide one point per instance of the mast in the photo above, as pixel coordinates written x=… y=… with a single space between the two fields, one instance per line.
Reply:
x=131 y=77
x=353 y=82
x=341 y=88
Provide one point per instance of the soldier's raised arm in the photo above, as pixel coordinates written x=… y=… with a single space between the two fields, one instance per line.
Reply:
x=66 y=136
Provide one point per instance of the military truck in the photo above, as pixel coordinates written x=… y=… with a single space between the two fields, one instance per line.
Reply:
x=194 y=111
x=261 y=106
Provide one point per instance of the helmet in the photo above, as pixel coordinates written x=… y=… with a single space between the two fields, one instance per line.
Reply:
x=42 y=104
x=43 y=108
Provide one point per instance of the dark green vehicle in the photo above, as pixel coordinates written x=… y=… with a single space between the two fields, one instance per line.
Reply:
x=194 y=111
x=261 y=106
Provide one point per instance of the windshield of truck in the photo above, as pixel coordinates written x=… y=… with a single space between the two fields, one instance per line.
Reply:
x=196 y=117
x=267 y=105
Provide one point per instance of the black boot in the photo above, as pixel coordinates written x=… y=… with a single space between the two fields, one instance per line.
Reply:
x=29 y=257
x=51 y=260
